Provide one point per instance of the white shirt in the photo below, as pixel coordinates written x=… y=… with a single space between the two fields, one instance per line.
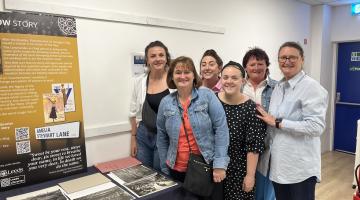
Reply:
x=295 y=148
x=138 y=96
x=255 y=94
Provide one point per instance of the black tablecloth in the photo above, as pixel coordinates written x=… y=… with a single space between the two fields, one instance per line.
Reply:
x=173 y=193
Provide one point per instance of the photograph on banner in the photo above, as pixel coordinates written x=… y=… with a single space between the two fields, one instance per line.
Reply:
x=54 y=110
x=67 y=90
x=42 y=134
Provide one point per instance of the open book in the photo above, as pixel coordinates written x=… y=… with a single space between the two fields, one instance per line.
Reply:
x=95 y=186
x=141 y=180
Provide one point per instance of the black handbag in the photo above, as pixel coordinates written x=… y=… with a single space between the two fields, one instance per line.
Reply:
x=148 y=115
x=199 y=174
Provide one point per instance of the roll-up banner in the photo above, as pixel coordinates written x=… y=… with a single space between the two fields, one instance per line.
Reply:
x=41 y=119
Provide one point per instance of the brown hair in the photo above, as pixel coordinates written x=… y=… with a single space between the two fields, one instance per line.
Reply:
x=212 y=53
x=157 y=44
x=258 y=54
x=235 y=65
x=293 y=45
x=183 y=61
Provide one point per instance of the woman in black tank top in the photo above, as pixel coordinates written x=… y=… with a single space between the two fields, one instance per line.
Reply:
x=143 y=135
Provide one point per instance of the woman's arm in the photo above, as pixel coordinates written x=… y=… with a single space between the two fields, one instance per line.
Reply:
x=133 y=145
x=162 y=141
x=134 y=109
x=219 y=125
x=249 y=179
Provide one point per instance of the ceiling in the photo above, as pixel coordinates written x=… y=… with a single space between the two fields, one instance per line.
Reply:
x=329 y=2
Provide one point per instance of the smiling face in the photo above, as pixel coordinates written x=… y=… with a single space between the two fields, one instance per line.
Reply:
x=209 y=68
x=156 y=58
x=231 y=79
x=290 y=61
x=183 y=76
x=256 y=69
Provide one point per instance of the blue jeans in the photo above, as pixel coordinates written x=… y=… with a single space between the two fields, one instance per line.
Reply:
x=264 y=189
x=147 y=152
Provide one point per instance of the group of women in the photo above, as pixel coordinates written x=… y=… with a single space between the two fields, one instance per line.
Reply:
x=220 y=114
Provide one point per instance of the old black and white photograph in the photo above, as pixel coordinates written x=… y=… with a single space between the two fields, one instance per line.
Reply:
x=131 y=174
x=52 y=193
x=150 y=185
x=108 y=194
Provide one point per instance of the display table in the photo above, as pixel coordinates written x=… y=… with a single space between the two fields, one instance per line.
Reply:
x=174 y=193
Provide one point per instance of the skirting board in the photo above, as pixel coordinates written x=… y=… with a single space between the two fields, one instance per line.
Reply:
x=107 y=129
x=106 y=15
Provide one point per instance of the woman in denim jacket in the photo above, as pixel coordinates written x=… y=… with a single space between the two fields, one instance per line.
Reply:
x=204 y=120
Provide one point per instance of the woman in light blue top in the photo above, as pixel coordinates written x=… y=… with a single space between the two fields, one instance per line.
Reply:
x=296 y=119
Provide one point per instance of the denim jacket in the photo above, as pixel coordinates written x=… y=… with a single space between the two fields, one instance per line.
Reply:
x=266 y=94
x=208 y=122
x=263 y=162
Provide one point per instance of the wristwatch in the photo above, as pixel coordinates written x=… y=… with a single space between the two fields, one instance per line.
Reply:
x=277 y=122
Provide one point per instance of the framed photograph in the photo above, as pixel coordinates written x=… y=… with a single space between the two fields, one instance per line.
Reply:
x=138 y=64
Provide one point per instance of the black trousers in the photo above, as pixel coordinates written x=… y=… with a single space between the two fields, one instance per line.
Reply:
x=218 y=192
x=304 y=190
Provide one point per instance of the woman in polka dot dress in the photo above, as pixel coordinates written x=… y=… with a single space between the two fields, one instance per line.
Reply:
x=247 y=133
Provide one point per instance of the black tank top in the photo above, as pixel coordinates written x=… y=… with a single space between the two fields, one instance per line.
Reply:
x=154 y=99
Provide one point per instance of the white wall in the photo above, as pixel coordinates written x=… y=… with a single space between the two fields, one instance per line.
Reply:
x=345 y=27
x=321 y=61
x=266 y=24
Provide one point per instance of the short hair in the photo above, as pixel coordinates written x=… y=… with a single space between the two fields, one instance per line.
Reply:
x=157 y=43
x=184 y=61
x=258 y=53
x=212 y=53
x=235 y=65
x=293 y=45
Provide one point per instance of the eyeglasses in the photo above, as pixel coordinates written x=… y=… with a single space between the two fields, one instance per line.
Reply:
x=292 y=59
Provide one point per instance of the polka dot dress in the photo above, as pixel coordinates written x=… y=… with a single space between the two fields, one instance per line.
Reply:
x=247 y=133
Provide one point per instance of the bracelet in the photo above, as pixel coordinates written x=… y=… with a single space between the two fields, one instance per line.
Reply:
x=133 y=135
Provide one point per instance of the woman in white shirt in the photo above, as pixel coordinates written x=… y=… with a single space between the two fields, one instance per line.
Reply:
x=148 y=91
x=259 y=87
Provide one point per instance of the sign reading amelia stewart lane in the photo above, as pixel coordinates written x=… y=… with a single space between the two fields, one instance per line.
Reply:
x=41 y=120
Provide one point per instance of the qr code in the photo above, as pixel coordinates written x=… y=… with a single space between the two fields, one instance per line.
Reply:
x=23 y=147
x=5 y=182
x=22 y=133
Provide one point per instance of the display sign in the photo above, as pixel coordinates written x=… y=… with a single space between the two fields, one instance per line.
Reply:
x=41 y=120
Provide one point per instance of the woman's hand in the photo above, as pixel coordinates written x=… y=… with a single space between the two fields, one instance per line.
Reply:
x=219 y=175
x=266 y=117
x=133 y=146
x=248 y=183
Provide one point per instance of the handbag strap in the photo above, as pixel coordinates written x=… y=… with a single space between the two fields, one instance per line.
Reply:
x=183 y=122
